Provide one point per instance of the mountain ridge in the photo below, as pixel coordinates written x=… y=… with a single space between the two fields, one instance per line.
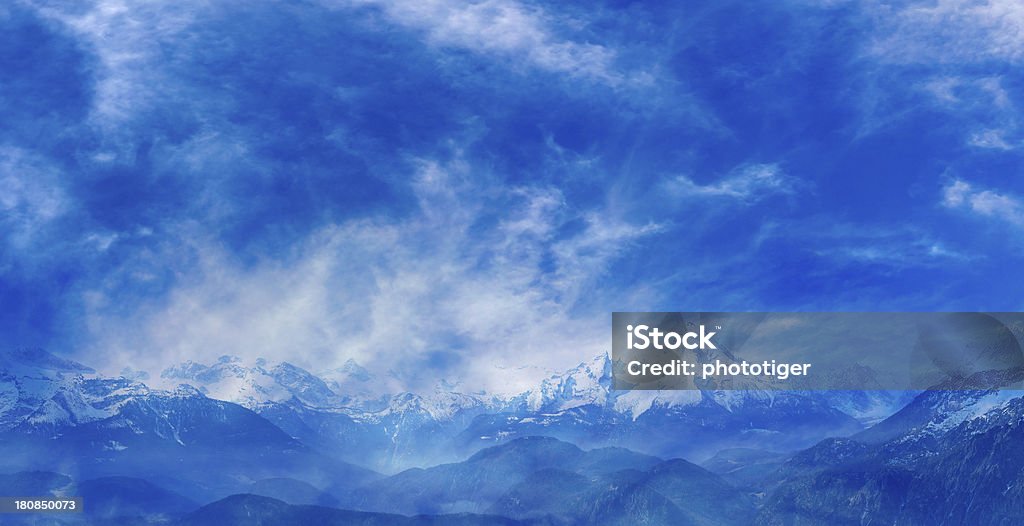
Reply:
x=401 y=430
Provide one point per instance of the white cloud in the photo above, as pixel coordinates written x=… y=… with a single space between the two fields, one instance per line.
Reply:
x=984 y=100
x=503 y=27
x=895 y=253
x=30 y=196
x=960 y=91
x=128 y=39
x=892 y=246
x=994 y=139
x=581 y=260
x=448 y=280
x=101 y=241
x=948 y=31
x=962 y=195
x=749 y=182
x=943 y=89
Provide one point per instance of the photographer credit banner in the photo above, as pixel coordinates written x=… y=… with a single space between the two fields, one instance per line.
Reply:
x=817 y=350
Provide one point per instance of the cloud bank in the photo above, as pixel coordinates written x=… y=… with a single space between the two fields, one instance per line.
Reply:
x=438 y=188
x=474 y=280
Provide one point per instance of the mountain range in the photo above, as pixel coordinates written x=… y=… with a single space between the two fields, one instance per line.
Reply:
x=232 y=440
x=332 y=411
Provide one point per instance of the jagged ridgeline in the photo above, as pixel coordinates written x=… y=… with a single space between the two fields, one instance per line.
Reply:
x=234 y=440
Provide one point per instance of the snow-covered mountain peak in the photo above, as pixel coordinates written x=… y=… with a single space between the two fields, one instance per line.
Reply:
x=586 y=384
x=355 y=371
x=230 y=379
x=38 y=389
x=186 y=391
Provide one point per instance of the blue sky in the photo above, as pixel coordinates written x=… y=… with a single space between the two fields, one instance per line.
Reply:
x=437 y=188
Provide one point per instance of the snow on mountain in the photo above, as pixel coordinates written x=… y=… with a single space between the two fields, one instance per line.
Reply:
x=339 y=411
x=350 y=372
x=973 y=408
x=589 y=383
x=442 y=404
x=231 y=380
x=40 y=391
x=948 y=457
x=356 y=386
x=38 y=388
x=339 y=390
x=66 y=405
x=346 y=389
x=585 y=384
x=936 y=413
x=636 y=403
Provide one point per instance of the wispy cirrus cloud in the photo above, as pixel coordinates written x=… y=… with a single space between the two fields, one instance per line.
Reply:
x=984 y=104
x=892 y=250
x=950 y=31
x=129 y=41
x=960 y=53
x=505 y=28
x=749 y=182
x=992 y=138
x=962 y=195
x=844 y=244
